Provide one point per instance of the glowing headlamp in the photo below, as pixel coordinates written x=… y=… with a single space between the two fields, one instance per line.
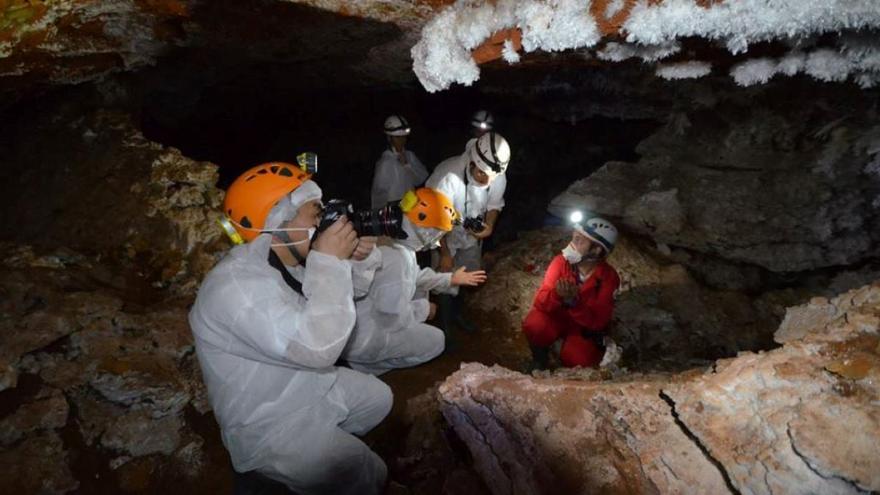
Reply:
x=484 y=125
x=576 y=216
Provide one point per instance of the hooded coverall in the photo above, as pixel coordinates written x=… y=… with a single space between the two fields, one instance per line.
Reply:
x=472 y=200
x=392 y=179
x=390 y=331
x=551 y=318
x=267 y=356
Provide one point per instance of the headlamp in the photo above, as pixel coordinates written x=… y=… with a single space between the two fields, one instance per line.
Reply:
x=230 y=231
x=308 y=162
x=576 y=216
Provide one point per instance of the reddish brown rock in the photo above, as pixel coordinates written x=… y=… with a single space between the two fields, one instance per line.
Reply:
x=801 y=418
x=37 y=465
x=70 y=41
x=48 y=411
x=136 y=434
x=548 y=435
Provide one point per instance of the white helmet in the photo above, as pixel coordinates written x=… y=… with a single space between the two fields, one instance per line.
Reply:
x=491 y=153
x=599 y=230
x=483 y=119
x=396 y=125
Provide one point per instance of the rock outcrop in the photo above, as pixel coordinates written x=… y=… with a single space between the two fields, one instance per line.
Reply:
x=102 y=188
x=96 y=355
x=70 y=41
x=802 y=418
x=762 y=180
x=119 y=373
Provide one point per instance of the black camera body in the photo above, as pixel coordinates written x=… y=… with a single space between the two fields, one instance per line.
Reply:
x=385 y=221
x=474 y=224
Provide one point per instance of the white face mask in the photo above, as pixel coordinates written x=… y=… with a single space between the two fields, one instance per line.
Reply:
x=310 y=230
x=571 y=254
x=420 y=238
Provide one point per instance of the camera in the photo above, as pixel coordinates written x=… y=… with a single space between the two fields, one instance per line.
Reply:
x=384 y=221
x=474 y=224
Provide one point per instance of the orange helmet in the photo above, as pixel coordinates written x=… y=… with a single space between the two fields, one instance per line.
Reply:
x=253 y=194
x=430 y=208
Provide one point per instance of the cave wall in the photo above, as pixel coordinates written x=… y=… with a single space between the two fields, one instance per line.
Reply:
x=783 y=177
x=86 y=179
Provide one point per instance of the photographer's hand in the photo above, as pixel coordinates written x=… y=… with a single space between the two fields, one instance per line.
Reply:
x=338 y=240
x=364 y=247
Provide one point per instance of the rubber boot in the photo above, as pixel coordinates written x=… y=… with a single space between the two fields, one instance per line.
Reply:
x=464 y=324
x=445 y=317
x=540 y=358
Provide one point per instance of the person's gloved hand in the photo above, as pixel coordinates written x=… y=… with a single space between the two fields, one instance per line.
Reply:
x=463 y=277
x=364 y=247
x=613 y=353
x=338 y=240
x=567 y=290
x=446 y=262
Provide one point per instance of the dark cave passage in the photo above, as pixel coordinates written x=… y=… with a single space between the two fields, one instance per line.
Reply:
x=237 y=127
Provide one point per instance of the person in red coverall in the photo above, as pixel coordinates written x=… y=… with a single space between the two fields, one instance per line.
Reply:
x=576 y=299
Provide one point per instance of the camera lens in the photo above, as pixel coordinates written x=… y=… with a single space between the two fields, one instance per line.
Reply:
x=384 y=221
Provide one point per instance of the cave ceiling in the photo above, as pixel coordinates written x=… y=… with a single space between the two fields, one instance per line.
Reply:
x=440 y=43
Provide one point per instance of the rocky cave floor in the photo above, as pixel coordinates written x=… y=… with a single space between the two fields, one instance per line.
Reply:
x=113 y=403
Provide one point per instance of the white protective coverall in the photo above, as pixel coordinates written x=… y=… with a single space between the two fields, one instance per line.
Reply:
x=472 y=200
x=267 y=356
x=392 y=179
x=390 y=331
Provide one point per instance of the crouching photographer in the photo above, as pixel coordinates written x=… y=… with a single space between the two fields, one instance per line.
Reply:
x=269 y=322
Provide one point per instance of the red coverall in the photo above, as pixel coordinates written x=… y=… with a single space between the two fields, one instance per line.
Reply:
x=550 y=319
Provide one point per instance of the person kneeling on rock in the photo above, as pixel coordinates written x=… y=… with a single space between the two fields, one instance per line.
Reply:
x=391 y=331
x=576 y=299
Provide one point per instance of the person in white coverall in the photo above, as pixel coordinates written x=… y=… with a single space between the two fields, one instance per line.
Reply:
x=398 y=169
x=475 y=181
x=391 y=331
x=269 y=322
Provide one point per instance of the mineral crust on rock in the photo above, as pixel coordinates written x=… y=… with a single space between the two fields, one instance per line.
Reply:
x=799 y=419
